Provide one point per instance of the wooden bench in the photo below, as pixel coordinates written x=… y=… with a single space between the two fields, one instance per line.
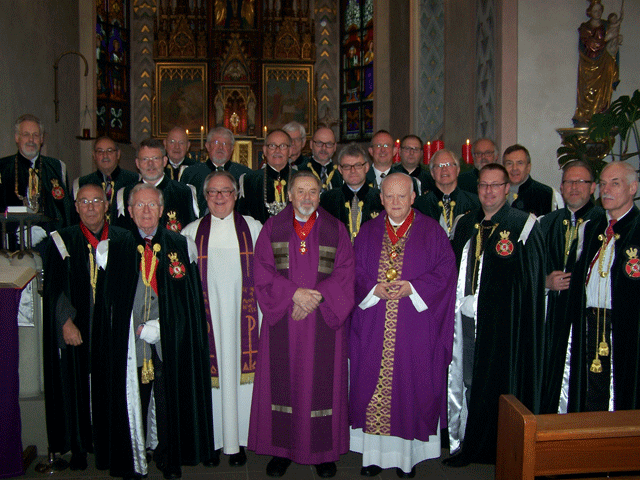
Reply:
x=589 y=442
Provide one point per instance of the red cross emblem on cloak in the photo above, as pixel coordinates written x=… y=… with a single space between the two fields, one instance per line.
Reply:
x=176 y=268
x=172 y=223
x=57 y=191
x=504 y=247
x=632 y=267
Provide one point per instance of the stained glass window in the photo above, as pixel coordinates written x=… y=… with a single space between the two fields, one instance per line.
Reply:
x=112 y=54
x=356 y=72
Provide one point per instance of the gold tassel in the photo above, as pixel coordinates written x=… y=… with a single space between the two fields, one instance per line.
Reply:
x=603 y=349
x=596 y=366
x=147 y=371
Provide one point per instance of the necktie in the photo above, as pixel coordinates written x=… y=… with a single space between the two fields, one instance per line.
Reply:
x=446 y=202
x=609 y=231
x=108 y=188
x=354 y=212
x=323 y=174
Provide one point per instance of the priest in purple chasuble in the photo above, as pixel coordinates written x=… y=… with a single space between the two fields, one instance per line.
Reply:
x=304 y=276
x=401 y=334
x=225 y=241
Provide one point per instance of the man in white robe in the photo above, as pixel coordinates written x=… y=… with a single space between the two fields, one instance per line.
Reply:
x=225 y=242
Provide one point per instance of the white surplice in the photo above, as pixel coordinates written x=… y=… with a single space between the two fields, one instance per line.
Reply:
x=232 y=401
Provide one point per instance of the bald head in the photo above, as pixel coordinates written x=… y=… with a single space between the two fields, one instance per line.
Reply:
x=397 y=196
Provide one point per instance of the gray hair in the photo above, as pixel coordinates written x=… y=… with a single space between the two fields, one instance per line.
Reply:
x=27 y=117
x=441 y=152
x=219 y=173
x=152 y=143
x=295 y=127
x=223 y=132
x=145 y=186
x=352 y=150
x=630 y=173
x=103 y=194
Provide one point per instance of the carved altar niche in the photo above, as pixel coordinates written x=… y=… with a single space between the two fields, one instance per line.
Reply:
x=289 y=39
x=235 y=109
x=180 y=31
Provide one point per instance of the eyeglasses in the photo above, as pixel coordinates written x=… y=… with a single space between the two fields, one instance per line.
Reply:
x=488 y=153
x=86 y=201
x=444 y=165
x=214 y=193
x=182 y=143
x=141 y=205
x=490 y=186
x=219 y=143
x=576 y=183
x=150 y=159
x=381 y=145
x=324 y=144
x=273 y=146
x=411 y=149
x=355 y=166
x=108 y=151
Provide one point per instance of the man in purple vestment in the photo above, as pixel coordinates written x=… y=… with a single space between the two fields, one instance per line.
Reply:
x=401 y=334
x=304 y=276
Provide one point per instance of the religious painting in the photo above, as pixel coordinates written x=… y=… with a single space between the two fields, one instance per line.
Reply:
x=288 y=95
x=181 y=97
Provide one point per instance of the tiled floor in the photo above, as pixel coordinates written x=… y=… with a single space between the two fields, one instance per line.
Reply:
x=348 y=467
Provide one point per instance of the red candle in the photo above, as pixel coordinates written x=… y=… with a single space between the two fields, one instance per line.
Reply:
x=466 y=153
x=428 y=153
x=437 y=145
x=396 y=157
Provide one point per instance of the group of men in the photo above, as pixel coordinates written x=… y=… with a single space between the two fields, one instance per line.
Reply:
x=443 y=290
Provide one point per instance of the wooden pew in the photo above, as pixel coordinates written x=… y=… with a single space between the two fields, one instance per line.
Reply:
x=589 y=442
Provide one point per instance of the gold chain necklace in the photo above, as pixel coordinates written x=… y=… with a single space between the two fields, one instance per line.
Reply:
x=353 y=230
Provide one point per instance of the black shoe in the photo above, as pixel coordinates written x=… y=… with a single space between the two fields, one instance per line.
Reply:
x=456 y=461
x=370 y=471
x=326 y=470
x=214 y=461
x=238 y=459
x=172 y=473
x=78 y=461
x=277 y=466
x=402 y=474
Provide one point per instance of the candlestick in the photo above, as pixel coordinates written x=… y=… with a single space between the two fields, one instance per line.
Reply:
x=201 y=137
x=265 y=132
x=437 y=145
x=396 y=157
x=466 y=153
x=428 y=153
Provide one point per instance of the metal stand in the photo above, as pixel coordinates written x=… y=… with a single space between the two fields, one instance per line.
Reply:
x=52 y=465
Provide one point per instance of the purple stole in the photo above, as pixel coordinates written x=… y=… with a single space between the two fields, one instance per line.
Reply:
x=322 y=434
x=249 y=309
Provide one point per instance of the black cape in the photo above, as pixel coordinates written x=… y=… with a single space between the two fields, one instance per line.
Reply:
x=554 y=227
x=176 y=173
x=427 y=183
x=251 y=198
x=57 y=204
x=534 y=197
x=196 y=174
x=185 y=350
x=625 y=320
x=67 y=368
x=468 y=181
x=334 y=200
x=121 y=178
x=428 y=204
x=179 y=203
x=336 y=180
x=509 y=325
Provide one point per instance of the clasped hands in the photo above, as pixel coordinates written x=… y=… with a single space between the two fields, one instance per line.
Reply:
x=305 y=301
x=393 y=290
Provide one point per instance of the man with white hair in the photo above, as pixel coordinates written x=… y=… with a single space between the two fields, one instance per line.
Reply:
x=225 y=241
x=30 y=178
x=603 y=363
x=220 y=144
x=177 y=145
x=298 y=136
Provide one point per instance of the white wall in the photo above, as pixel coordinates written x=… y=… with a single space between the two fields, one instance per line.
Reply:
x=547 y=73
